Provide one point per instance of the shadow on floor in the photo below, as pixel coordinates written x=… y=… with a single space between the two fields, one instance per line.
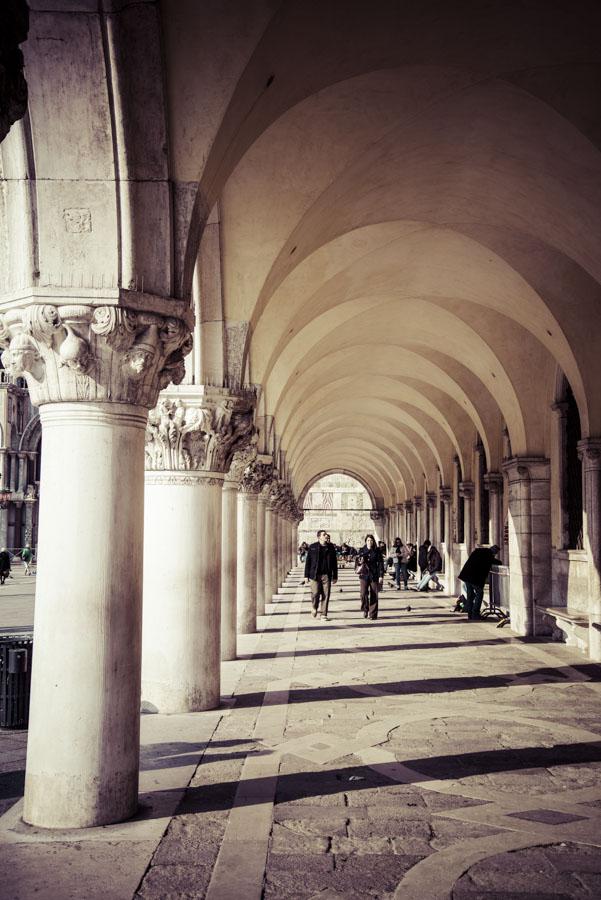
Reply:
x=329 y=651
x=305 y=785
x=443 y=685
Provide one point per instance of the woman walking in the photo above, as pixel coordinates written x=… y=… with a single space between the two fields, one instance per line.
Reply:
x=370 y=568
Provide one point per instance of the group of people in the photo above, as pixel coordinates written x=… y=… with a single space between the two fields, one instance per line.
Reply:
x=26 y=554
x=371 y=561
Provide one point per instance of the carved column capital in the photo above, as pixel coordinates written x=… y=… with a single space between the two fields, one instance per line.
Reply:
x=493 y=482
x=408 y=505
x=533 y=468
x=76 y=352
x=431 y=499
x=376 y=515
x=201 y=433
x=418 y=502
x=589 y=452
x=446 y=495
x=466 y=490
x=255 y=476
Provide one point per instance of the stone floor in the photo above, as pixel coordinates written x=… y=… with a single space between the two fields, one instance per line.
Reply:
x=418 y=756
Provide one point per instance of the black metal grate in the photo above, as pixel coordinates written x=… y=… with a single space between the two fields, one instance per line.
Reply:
x=15 y=680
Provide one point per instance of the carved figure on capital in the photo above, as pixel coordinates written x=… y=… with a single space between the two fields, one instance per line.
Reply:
x=242 y=459
x=79 y=352
x=256 y=476
x=199 y=436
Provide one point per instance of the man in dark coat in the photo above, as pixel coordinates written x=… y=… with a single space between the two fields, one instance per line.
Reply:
x=474 y=575
x=4 y=564
x=321 y=568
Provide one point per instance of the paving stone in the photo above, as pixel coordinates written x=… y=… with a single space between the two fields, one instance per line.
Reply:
x=574 y=858
x=177 y=882
x=527 y=870
x=367 y=873
x=287 y=840
x=190 y=840
x=345 y=846
x=326 y=827
x=447 y=832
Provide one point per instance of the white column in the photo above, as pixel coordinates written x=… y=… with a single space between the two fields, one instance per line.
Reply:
x=466 y=490
x=529 y=541
x=246 y=566
x=493 y=483
x=182 y=591
x=446 y=498
x=261 y=515
x=229 y=553
x=417 y=508
x=83 y=744
x=268 y=560
x=590 y=454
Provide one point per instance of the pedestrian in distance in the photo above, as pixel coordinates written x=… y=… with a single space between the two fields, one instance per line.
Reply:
x=321 y=569
x=27 y=557
x=4 y=565
x=422 y=557
x=412 y=564
x=401 y=554
x=369 y=565
x=474 y=575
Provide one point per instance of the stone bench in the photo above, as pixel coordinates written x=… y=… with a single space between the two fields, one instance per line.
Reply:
x=568 y=625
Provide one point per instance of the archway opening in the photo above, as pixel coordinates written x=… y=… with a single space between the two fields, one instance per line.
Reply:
x=340 y=504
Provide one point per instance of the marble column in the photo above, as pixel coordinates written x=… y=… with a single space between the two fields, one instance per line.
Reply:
x=377 y=518
x=417 y=516
x=191 y=438
x=558 y=492
x=589 y=451
x=269 y=558
x=467 y=491
x=529 y=541
x=431 y=529
x=253 y=480
x=22 y=478
x=229 y=553
x=94 y=373
x=261 y=517
x=446 y=498
x=493 y=483
x=409 y=535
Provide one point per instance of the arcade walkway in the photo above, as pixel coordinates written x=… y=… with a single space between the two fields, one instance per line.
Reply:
x=412 y=757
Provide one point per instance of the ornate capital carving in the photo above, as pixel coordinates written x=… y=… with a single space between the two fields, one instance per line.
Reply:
x=255 y=476
x=107 y=353
x=493 y=482
x=201 y=434
x=376 y=515
x=242 y=459
x=466 y=490
x=431 y=499
x=418 y=502
x=589 y=452
x=408 y=506
x=446 y=494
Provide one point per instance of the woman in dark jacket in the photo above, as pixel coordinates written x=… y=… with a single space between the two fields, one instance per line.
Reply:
x=370 y=568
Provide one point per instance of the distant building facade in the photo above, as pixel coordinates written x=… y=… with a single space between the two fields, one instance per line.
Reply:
x=20 y=443
x=342 y=505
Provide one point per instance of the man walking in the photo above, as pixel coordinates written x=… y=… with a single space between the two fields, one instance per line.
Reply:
x=474 y=575
x=321 y=568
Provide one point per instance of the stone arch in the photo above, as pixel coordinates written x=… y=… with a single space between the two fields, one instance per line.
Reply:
x=338 y=471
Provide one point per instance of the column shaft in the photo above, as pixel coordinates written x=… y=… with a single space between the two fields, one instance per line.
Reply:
x=229 y=553
x=82 y=765
x=246 y=566
x=261 y=513
x=268 y=555
x=590 y=455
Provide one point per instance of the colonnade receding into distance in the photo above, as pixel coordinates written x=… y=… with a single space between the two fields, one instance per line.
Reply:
x=357 y=241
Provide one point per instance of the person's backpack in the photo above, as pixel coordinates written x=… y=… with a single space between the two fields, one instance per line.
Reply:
x=434 y=560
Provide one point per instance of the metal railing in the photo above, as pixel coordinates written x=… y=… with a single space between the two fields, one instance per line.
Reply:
x=498 y=596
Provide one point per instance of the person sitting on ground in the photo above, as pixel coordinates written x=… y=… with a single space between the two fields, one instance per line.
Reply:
x=474 y=575
x=369 y=565
x=4 y=565
x=433 y=566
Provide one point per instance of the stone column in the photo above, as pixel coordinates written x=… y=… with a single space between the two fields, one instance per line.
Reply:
x=269 y=559
x=22 y=479
x=529 y=540
x=467 y=491
x=417 y=516
x=14 y=473
x=229 y=553
x=253 y=480
x=408 y=505
x=493 y=483
x=189 y=446
x=431 y=529
x=94 y=373
x=589 y=451
x=558 y=494
x=446 y=498
x=261 y=517
x=377 y=518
